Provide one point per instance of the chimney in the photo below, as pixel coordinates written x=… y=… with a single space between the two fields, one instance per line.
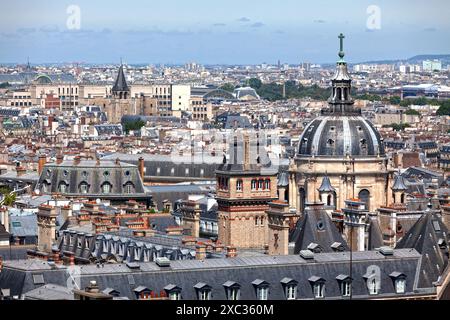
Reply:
x=41 y=162
x=59 y=159
x=200 y=252
x=20 y=171
x=246 y=151
x=76 y=160
x=56 y=258
x=141 y=168
x=1 y=264
x=231 y=252
x=72 y=260
x=93 y=287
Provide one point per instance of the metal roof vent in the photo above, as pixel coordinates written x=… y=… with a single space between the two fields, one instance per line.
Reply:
x=307 y=254
x=162 y=262
x=386 y=251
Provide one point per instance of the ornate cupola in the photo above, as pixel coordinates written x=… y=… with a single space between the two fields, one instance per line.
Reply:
x=341 y=101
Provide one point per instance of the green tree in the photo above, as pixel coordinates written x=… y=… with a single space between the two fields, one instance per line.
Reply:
x=395 y=100
x=133 y=125
x=9 y=199
x=255 y=83
x=228 y=87
x=412 y=112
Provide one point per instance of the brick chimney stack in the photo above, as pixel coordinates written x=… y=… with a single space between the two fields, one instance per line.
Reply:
x=141 y=168
x=231 y=252
x=59 y=159
x=200 y=251
x=76 y=160
x=41 y=162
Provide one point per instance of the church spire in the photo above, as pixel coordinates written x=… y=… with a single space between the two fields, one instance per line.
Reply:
x=120 y=88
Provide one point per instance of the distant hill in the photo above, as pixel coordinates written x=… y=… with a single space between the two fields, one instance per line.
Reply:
x=445 y=59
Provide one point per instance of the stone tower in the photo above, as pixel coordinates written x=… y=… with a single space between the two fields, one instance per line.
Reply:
x=246 y=183
x=121 y=90
x=46 y=217
x=355 y=215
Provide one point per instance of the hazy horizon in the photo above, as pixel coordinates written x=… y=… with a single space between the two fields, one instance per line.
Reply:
x=219 y=32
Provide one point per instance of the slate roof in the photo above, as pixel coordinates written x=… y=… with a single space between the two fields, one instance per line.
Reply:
x=23 y=226
x=399 y=183
x=94 y=174
x=121 y=83
x=326 y=185
x=425 y=236
x=216 y=273
x=335 y=136
x=315 y=226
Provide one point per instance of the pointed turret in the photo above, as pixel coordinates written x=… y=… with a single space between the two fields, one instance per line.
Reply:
x=120 y=89
x=326 y=185
x=399 y=183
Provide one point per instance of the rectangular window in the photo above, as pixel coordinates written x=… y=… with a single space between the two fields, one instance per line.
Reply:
x=400 y=285
x=204 y=295
x=346 y=288
x=174 y=296
x=373 y=288
x=291 y=292
x=239 y=185
x=318 y=290
x=233 y=294
x=263 y=293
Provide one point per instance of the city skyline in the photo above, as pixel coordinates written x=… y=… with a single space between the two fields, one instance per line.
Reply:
x=178 y=32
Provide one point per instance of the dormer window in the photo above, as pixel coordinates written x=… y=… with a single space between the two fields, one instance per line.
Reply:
x=262 y=289
x=399 y=280
x=233 y=290
x=63 y=187
x=203 y=291
x=106 y=188
x=129 y=187
x=173 y=292
x=345 y=284
x=84 y=187
x=372 y=285
x=290 y=288
x=318 y=286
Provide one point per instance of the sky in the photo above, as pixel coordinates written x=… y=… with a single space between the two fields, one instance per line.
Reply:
x=220 y=32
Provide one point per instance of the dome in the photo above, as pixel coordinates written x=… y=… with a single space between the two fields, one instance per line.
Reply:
x=337 y=136
x=340 y=130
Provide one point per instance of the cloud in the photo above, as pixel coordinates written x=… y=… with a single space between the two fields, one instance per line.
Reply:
x=430 y=29
x=257 y=25
x=244 y=19
x=26 y=31
x=280 y=32
x=319 y=21
x=219 y=25
x=49 y=28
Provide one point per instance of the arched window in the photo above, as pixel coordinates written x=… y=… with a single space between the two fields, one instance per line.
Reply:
x=260 y=184
x=106 y=188
x=402 y=198
x=364 y=196
x=267 y=184
x=329 y=200
x=84 y=187
x=63 y=187
x=253 y=184
x=129 y=187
